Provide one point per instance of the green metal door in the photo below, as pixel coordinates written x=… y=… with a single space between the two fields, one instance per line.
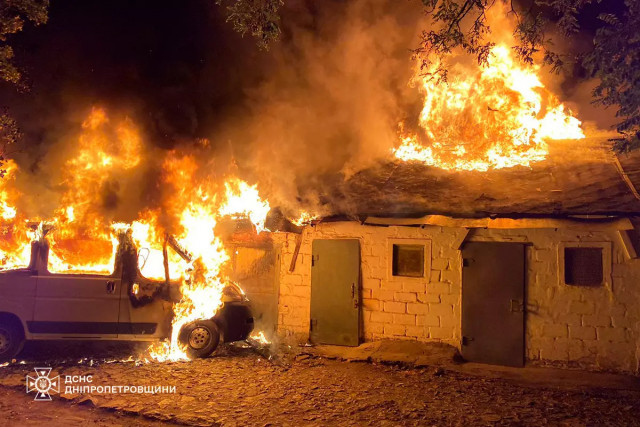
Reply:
x=493 y=303
x=335 y=292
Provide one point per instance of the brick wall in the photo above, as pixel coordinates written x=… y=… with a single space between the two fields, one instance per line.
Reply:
x=590 y=327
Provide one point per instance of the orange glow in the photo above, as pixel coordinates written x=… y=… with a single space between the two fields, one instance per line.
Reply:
x=483 y=118
x=15 y=235
x=304 y=219
x=203 y=285
x=243 y=200
x=82 y=240
x=260 y=338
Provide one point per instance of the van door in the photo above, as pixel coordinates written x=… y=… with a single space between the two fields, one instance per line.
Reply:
x=142 y=321
x=76 y=306
x=18 y=293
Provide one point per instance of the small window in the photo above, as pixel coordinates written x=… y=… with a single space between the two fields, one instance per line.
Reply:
x=408 y=260
x=583 y=266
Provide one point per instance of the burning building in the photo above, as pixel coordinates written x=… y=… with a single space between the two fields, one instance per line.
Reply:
x=521 y=245
x=527 y=251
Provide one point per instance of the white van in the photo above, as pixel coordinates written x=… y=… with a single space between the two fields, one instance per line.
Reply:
x=38 y=305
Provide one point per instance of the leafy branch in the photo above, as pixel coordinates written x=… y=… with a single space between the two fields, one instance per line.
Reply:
x=614 y=58
x=259 y=18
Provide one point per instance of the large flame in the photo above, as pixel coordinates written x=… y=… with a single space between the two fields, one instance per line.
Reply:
x=16 y=235
x=486 y=117
x=84 y=240
x=244 y=200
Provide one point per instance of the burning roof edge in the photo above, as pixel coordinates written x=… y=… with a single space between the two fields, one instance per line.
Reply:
x=276 y=221
x=623 y=226
x=595 y=222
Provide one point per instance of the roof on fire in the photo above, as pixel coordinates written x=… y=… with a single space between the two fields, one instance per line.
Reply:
x=579 y=178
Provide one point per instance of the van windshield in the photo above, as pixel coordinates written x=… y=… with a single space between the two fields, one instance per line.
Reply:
x=151 y=264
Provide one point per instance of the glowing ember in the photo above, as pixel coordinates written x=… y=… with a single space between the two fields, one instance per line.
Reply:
x=304 y=219
x=260 y=338
x=483 y=118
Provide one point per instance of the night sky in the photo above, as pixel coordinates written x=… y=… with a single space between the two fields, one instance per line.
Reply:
x=175 y=66
x=172 y=65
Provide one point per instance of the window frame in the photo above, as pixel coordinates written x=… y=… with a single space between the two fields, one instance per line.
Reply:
x=606 y=263
x=426 y=243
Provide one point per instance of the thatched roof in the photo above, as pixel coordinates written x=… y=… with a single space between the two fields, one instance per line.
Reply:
x=578 y=178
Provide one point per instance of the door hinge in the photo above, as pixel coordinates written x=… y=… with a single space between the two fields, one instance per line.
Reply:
x=312 y=323
x=314 y=258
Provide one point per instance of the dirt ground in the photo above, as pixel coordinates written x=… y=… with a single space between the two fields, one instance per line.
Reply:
x=20 y=410
x=240 y=387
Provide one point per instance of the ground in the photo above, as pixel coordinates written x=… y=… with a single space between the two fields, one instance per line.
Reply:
x=241 y=387
x=18 y=410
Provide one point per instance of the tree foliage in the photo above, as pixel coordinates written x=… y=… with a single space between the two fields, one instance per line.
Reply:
x=615 y=60
x=9 y=134
x=614 y=57
x=259 y=18
x=14 y=14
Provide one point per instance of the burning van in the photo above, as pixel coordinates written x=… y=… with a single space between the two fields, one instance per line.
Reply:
x=36 y=304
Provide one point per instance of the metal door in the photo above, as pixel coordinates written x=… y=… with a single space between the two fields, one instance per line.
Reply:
x=493 y=303
x=335 y=292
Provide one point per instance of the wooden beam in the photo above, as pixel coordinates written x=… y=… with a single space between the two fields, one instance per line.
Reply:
x=600 y=224
x=625 y=177
x=627 y=244
x=296 y=251
x=458 y=243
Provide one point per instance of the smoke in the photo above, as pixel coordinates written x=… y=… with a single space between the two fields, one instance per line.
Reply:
x=322 y=104
x=334 y=91
x=300 y=120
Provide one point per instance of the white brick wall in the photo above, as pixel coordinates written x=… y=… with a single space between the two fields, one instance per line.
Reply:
x=592 y=327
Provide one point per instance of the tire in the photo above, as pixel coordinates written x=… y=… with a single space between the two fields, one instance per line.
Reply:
x=11 y=339
x=200 y=338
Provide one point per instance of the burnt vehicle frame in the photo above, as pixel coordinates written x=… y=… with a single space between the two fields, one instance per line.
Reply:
x=36 y=304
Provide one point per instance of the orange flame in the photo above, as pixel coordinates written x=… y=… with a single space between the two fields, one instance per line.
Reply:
x=243 y=200
x=304 y=219
x=84 y=240
x=15 y=235
x=491 y=117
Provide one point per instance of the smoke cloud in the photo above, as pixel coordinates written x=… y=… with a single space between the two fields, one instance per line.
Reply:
x=300 y=120
x=335 y=89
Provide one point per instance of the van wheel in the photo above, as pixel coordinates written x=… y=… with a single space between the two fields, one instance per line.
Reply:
x=11 y=340
x=200 y=338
